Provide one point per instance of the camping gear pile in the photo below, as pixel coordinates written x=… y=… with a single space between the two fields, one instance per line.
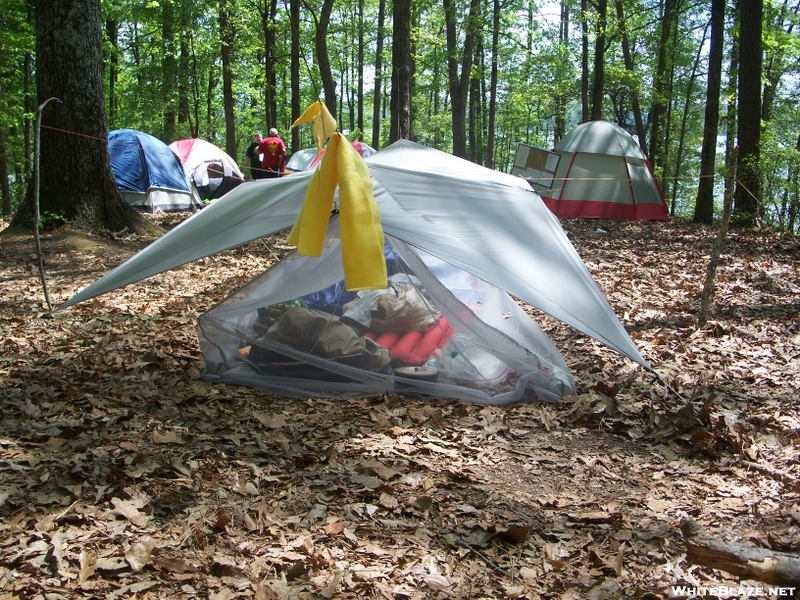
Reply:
x=457 y=240
x=212 y=170
x=149 y=174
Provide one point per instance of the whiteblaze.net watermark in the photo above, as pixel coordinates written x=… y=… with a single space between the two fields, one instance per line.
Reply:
x=729 y=591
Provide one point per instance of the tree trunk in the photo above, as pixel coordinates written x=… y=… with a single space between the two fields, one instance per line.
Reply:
x=169 y=71
x=76 y=181
x=294 y=9
x=475 y=107
x=268 y=11
x=323 y=59
x=5 y=190
x=30 y=95
x=685 y=112
x=112 y=32
x=560 y=127
x=584 y=63
x=227 y=35
x=493 y=83
x=599 y=61
x=360 y=71
x=459 y=81
x=402 y=69
x=184 y=116
x=658 y=108
x=626 y=53
x=748 y=187
x=378 y=87
x=731 y=93
x=776 y=67
x=704 y=206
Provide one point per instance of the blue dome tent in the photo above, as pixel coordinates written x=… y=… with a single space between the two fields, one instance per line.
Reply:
x=149 y=174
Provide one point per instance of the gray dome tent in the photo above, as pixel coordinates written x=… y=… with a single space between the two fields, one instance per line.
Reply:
x=602 y=173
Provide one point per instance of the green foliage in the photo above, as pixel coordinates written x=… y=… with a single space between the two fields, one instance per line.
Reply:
x=16 y=91
x=51 y=220
x=167 y=77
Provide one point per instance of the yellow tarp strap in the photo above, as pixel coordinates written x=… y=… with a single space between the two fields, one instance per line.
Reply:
x=322 y=123
x=359 y=217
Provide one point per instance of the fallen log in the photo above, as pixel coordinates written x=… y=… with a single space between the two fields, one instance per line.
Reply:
x=747 y=562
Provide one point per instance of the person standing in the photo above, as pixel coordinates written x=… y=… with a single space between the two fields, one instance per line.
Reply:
x=252 y=158
x=273 y=152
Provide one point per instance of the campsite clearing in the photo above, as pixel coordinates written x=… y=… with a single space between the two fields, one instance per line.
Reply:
x=122 y=473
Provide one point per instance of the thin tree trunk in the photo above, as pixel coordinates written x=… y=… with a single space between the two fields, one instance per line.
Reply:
x=475 y=108
x=459 y=81
x=560 y=128
x=5 y=190
x=294 y=10
x=360 y=70
x=493 y=84
x=775 y=68
x=704 y=205
x=184 y=116
x=599 y=61
x=169 y=70
x=626 y=53
x=584 y=63
x=748 y=188
x=719 y=244
x=227 y=34
x=378 y=87
x=732 y=118
x=684 y=118
x=268 y=10
x=658 y=108
x=323 y=58
x=402 y=70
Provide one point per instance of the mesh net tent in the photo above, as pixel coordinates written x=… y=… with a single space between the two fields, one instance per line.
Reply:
x=435 y=331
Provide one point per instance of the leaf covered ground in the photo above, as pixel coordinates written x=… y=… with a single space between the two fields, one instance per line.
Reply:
x=124 y=475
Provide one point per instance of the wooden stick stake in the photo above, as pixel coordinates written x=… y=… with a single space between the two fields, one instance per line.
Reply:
x=36 y=142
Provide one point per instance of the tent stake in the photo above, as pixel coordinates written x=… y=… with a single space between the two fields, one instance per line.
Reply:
x=708 y=288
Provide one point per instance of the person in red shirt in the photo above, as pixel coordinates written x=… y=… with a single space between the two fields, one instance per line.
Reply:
x=273 y=152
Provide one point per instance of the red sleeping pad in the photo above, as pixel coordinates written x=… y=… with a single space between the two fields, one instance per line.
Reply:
x=414 y=347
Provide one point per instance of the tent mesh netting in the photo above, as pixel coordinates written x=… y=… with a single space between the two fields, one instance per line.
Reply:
x=436 y=331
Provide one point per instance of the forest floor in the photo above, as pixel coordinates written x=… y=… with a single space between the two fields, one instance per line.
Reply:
x=124 y=475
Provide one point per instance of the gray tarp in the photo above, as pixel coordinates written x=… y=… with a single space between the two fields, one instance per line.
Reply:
x=487 y=223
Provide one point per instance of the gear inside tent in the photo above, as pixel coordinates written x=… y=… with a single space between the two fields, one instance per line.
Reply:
x=436 y=330
x=212 y=169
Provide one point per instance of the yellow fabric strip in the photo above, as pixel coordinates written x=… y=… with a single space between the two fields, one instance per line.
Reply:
x=308 y=233
x=362 y=235
x=360 y=220
x=322 y=123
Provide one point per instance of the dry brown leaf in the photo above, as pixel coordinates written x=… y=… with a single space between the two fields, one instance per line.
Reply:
x=139 y=555
x=130 y=510
x=334 y=528
x=88 y=564
x=168 y=437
